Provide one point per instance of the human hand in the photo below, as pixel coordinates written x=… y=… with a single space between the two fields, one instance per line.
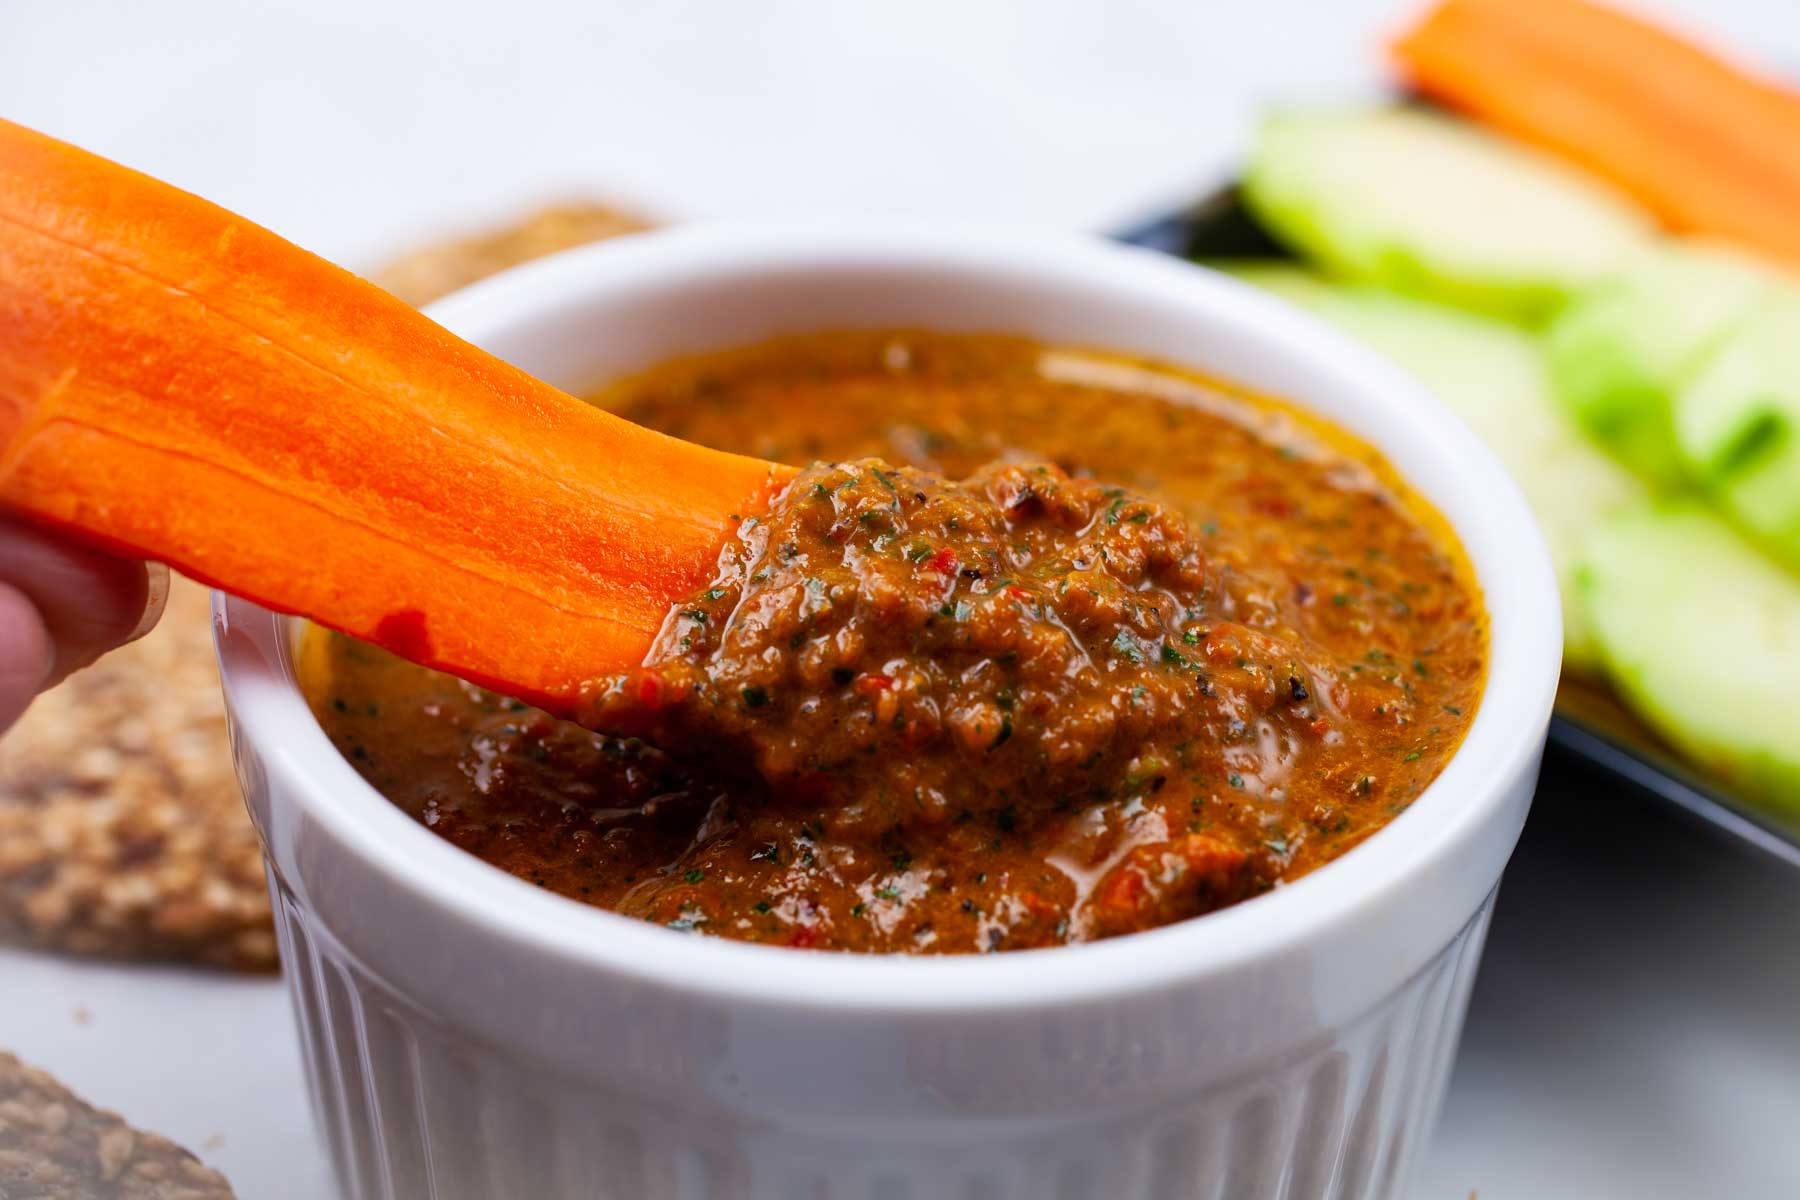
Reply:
x=62 y=606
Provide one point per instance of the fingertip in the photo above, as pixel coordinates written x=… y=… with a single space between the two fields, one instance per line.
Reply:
x=90 y=601
x=27 y=655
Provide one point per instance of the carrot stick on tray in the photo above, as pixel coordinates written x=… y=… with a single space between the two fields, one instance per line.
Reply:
x=1706 y=146
x=179 y=384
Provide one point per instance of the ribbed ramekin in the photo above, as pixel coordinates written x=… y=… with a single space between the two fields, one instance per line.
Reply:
x=469 y=1035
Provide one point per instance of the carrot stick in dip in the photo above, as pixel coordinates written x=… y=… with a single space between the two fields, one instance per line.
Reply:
x=178 y=383
x=1709 y=147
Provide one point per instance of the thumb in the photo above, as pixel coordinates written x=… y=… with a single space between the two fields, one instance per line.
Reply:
x=26 y=653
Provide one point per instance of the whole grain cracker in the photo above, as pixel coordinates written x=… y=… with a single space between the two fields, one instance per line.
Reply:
x=122 y=832
x=56 y=1146
x=423 y=276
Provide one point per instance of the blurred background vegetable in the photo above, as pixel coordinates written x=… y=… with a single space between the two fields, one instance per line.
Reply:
x=1642 y=387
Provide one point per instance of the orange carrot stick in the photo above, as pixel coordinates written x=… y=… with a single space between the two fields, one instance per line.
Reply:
x=177 y=383
x=1706 y=146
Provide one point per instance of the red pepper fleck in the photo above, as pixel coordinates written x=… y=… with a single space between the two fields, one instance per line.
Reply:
x=943 y=562
x=1041 y=908
x=1124 y=892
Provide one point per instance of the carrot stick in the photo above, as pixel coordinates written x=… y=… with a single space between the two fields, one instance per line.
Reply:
x=1707 y=147
x=179 y=384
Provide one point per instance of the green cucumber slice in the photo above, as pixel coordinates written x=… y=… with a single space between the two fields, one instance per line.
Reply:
x=1702 y=636
x=1620 y=352
x=1436 y=207
x=1737 y=422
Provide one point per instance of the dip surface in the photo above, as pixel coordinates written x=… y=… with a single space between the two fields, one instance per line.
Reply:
x=1163 y=647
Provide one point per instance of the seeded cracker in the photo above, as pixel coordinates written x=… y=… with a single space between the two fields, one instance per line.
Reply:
x=122 y=830
x=55 y=1146
x=422 y=277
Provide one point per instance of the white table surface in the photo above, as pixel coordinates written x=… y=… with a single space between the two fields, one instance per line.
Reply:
x=1634 y=1031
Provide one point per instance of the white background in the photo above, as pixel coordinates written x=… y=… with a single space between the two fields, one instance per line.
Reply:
x=357 y=127
x=1635 y=1031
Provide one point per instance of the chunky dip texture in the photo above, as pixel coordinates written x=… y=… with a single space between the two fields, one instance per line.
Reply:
x=1040 y=646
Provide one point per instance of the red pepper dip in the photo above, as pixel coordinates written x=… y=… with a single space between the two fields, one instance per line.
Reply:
x=1040 y=646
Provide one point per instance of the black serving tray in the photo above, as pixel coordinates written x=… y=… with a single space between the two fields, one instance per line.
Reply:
x=1594 y=742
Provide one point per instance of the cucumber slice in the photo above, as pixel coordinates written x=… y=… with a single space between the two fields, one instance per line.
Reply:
x=1492 y=375
x=1738 y=423
x=1619 y=353
x=1436 y=207
x=1702 y=636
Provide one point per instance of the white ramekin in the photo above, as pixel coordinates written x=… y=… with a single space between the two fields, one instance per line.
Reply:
x=469 y=1035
